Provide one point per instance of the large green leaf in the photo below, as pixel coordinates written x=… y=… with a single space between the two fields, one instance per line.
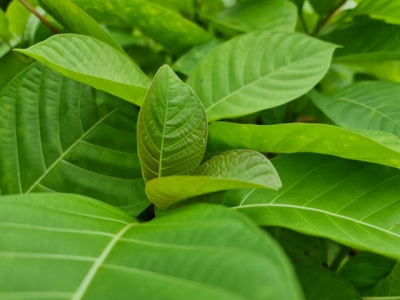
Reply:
x=365 y=105
x=353 y=203
x=370 y=146
x=102 y=253
x=277 y=15
x=172 y=128
x=367 y=42
x=230 y=170
x=92 y=62
x=58 y=135
x=236 y=79
x=162 y=24
x=387 y=10
x=76 y=20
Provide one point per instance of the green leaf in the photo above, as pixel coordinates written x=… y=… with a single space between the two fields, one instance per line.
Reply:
x=353 y=203
x=76 y=20
x=58 y=135
x=235 y=79
x=230 y=170
x=365 y=105
x=92 y=62
x=387 y=10
x=248 y=16
x=364 y=270
x=189 y=253
x=18 y=16
x=5 y=33
x=323 y=7
x=388 y=288
x=13 y=63
x=172 y=128
x=162 y=24
x=367 y=42
x=369 y=146
x=188 y=62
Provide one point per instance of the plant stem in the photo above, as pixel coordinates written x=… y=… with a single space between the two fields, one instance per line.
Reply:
x=324 y=21
x=339 y=258
x=41 y=18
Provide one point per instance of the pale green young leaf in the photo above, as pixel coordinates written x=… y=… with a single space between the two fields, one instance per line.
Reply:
x=366 y=42
x=387 y=10
x=158 y=22
x=172 y=128
x=58 y=135
x=370 y=146
x=229 y=170
x=365 y=105
x=189 y=253
x=277 y=15
x=18 y=16
x=77 y=21
x=257 y=71
x=94 y=63
x=350 y=202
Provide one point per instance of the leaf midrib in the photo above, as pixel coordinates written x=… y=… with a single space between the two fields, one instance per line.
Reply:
x=49 y=169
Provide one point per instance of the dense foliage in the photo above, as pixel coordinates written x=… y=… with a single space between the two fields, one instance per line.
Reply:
x=183 y=149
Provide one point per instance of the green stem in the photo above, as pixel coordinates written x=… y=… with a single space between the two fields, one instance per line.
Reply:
x=337 y=261
x=325 y=21
x=40 y=17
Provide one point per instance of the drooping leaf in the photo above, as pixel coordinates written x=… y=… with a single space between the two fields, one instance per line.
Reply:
x=188 y=62
x=369 y=42
x=353 y=203
x=92 y=62
x=76 y=20
x=387 y=288
x=365 y=105
x=172 y=128
x=162 y=24
x=235 y=79
x=58 y=135
x=230 y=170
x=387 y=10
x=364 y=270
x=370 y=146
x=248 y=16
x=190 y=253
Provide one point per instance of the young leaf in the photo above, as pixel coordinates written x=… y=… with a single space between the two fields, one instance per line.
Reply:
x=368 y=42
x=190 y=253
x=365 y=105
x=162 y=24
x=353 y=203
x=172 y=128
x=76 y=20
x=92 y=62
x=230 y=170
x=371 y=146
x=235 y=79
x=277 y=15
x=58 y=135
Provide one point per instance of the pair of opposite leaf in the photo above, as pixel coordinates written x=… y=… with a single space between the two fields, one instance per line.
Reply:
x=172 y=137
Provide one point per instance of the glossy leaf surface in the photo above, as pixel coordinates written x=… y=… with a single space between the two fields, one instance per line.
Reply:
x=162 y=24
x=332 y=198
x=229 y=170
x=235 y=79
x=58 y=135
x=104 y=253
x=77 y=21
x=94 y=63
x=276 y=15
x=370 y=146
x=365 y=105
x=172 y=128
